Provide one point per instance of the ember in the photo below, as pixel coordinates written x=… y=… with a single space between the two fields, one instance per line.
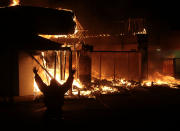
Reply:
x=98 y=87
x=159 y=79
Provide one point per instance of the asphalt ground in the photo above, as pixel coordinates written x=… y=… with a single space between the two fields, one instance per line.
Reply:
x=138 y=109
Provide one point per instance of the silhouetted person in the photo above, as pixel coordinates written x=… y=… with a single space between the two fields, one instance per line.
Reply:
x=54 y=94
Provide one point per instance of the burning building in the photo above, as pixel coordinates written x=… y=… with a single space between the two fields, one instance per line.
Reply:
x=49 y=40
x=22 y=27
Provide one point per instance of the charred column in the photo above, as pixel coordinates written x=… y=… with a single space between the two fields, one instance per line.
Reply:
x=60 y=63
x=143 y=49
x=85 y=65
x=55 y=57
x=100 y=67
x=70 y=69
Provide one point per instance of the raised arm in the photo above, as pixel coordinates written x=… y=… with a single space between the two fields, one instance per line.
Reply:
x=42 y=86
x=68 y=84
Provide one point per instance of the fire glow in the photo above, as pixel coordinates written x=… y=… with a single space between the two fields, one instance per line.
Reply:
x=159 y=79
x=77 y=30
x=77 y=85
x=114 y=87
x=14 y=2
x=103 y=86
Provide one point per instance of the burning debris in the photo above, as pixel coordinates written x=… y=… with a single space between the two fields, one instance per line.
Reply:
x=158 y=79
x=100 y=86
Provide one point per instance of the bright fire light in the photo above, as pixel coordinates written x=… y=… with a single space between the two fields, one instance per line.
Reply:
x=79 y=89
x=159 y=79
x=74 y=35
x=108 y=86
x=14 y=2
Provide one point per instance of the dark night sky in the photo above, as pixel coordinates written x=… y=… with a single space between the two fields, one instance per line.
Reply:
x=101 y=15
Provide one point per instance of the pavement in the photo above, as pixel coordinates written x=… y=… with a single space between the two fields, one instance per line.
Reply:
x=155 y=109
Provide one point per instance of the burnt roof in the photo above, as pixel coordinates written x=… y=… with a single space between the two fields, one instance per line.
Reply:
x=32 y=43
x=36 y=20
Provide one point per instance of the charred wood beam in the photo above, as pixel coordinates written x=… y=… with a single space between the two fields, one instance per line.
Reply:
x=55 y=57
x=61 y=74
x=128 y=64
x=41 y=66
x=70 y=69
x=143 y=49
x=64 y=65
x=77 y=64
x=30 y=53
x=45 y=65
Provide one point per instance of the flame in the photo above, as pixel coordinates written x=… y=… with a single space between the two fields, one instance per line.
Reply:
x=106 y=89
x=36 y=89
x=77 y=83
x=159 y=79
x=108 y=86
x=14 y=2
x=74 y=35
x=142 y=32
x=46 y=79
x=85 y=93
x=78 y=89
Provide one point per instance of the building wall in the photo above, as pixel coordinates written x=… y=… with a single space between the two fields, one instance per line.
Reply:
x=110 y=65
x=113 y=43
x=26 y=76
x=9 y=73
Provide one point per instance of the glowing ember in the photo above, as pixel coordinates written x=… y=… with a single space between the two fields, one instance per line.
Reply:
x=77 y=83
x=79 y=89
x=85 y=93
x=47 y=79
x=159 y=79
x=14 y=2
x=106 y=89
x=142 y=32
x=105 y=86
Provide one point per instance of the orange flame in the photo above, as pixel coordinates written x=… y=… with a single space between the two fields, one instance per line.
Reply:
x=74 y=35
x=112 y=86
x=159 y=79
x=14 y=2
x=47 y=79
x=81 y=90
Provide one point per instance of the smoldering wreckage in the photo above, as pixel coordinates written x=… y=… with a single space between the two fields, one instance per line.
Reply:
x=54 y=42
